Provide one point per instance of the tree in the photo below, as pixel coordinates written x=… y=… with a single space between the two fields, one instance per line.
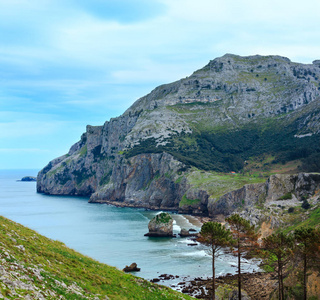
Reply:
x=246 y=240
x=281 y=246
x=305 y=204
x=308 y=243
x=215 y=236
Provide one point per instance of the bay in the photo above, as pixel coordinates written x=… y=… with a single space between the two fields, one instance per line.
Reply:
x=109 y=234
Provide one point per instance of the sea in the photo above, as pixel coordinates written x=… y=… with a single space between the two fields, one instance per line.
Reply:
x=110 y=234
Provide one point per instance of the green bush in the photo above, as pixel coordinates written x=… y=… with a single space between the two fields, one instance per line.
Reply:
x=305 y=204
x=286 y=196
x=226 y=151
x=290 y=210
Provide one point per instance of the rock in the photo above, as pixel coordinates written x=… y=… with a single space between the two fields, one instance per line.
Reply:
x=186 y=233
x=21 y=247
x=161 y=226
x=132 y=268
x=166 y=277
x=230 y=293
x=29 y=178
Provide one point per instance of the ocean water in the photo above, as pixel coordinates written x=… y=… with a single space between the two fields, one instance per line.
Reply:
x=109 y=234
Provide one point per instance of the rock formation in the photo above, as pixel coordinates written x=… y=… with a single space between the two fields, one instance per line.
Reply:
x=299 y=186
x=29 y=178
x=132 y=268
x=161 y=226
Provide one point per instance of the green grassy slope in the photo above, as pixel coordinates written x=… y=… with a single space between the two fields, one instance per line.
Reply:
x=33 y=266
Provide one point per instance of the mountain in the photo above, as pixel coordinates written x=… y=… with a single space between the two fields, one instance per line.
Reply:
x=187 y=144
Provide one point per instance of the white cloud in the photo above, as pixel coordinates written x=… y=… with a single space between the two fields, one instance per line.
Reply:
x=62 y=66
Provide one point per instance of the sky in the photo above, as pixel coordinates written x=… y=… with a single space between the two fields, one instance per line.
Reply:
x=68 y=63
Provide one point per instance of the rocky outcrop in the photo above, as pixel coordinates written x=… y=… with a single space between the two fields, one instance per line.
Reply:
x=146 y=181
x=161 y=226
x=29 y=178
x=247 y=196
x=298 y=186
x=132 y=268
x=187 y=233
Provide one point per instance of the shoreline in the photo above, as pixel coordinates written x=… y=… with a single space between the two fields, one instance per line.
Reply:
x=258 y=285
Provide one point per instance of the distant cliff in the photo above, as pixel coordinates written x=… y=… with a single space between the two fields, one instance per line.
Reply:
x=224 y=118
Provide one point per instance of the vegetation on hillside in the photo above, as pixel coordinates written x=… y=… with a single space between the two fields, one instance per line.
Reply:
x=226 y=150
x=35 y=267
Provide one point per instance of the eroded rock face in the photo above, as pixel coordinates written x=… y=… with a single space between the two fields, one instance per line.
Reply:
x=248 y=195
x=276 y=186
x=161 y=226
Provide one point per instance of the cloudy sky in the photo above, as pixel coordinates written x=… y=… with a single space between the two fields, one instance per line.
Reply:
x=68 y=63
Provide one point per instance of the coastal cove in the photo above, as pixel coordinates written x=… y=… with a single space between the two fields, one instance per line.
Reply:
x=109 y=234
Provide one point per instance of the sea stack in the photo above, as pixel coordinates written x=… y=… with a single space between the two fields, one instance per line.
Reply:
x=161 y=226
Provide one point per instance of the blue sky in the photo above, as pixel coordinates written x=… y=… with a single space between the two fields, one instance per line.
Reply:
x=68 y=63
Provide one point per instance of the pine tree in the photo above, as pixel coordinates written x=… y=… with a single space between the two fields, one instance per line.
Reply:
x=308 y=243
x=215 y=236
x=281 y=246
x=246 y=240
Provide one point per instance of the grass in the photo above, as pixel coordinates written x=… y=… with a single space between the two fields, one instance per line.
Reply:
x=218 y=184
x=299 y=219
x=83 y=151
x=186 y=202
x=286 y=196
x=55 y=270
x=163 y=218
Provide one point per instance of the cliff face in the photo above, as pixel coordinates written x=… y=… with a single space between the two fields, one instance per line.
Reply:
x=277 y=187
x=232 y=109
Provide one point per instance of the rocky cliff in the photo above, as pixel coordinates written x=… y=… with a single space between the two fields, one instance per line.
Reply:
x=232 y=110
x=278 y=189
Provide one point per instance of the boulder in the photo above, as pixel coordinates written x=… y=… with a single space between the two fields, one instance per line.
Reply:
x=185 y=232
x=161 y=226
x=132 y=268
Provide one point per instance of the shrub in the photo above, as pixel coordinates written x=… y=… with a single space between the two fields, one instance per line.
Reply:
x=305 y=204
x=290 y=210
x=286 y=196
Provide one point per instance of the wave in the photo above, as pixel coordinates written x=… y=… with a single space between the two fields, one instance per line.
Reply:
x=198 y=253
x=186 y=241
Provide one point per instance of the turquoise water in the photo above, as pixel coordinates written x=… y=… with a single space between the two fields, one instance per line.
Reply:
x=106 y=233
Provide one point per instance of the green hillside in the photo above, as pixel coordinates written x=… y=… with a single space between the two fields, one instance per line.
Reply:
x=35 y=267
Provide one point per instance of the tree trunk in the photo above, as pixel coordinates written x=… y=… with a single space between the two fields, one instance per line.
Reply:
x=239 y=270
x=213 y=277
x=280 y=270
x=279 y=280
x=305 y=276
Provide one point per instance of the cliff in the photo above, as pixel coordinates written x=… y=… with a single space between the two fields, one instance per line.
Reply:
x=227 y=116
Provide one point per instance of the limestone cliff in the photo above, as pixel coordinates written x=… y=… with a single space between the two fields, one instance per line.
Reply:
x=276 y=188
x=233 y=109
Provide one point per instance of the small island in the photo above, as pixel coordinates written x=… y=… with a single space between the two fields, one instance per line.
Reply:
x=161 y=226
x=28 y=178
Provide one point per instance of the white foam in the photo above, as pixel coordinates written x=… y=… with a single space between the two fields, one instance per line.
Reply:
x=186 y=241
x=199 y=253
